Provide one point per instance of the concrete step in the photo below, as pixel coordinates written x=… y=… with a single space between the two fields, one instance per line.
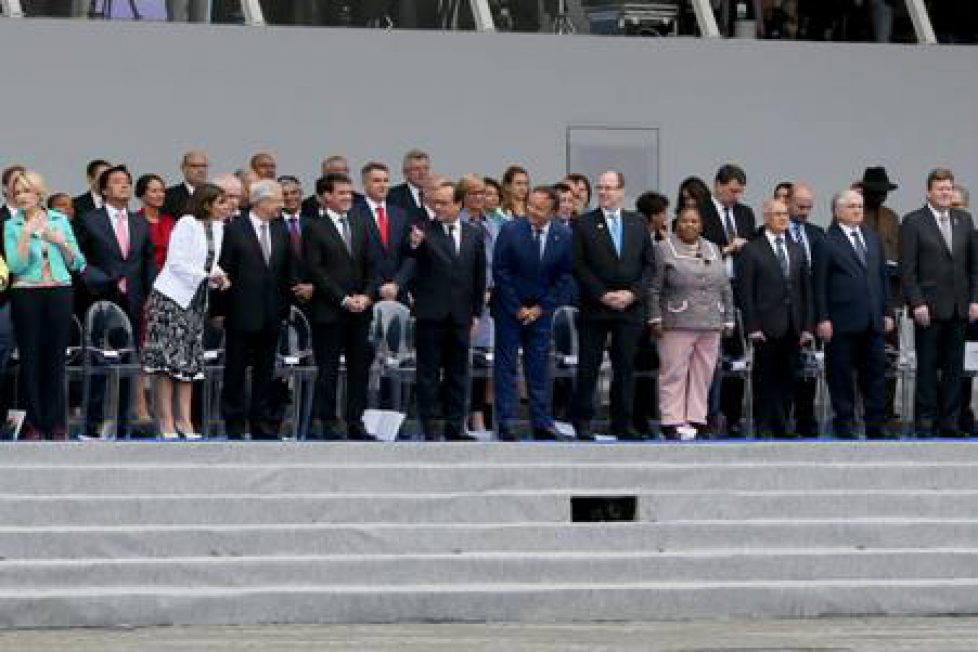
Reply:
x=599 y=567
x=468 y=507
x=77 y=542
x=477 y=476
x=524 y=602
x=209 y=452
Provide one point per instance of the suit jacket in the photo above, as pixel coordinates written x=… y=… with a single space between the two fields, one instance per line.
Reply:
x=522 y=278
x=310 y=205
x=83 y=204
x=852 y=296
x=598 y=268
x=260 y=292
x=447 y=284
x=815 y=236
x=715 y=232
x=175 y=201
x=770 y=302
x=390 y=263
x=107 y=266
x=335 y=271
x=945 y=281
x=400 y=195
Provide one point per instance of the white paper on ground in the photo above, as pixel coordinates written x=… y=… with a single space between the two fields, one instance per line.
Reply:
x=383 y=424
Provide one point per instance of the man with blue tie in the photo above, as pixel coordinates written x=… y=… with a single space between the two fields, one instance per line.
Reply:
x=532 y=272
x=612 y=258
x=801 y=199
x=852 y=313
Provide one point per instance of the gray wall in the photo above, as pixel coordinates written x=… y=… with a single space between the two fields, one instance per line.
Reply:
x=143 y=93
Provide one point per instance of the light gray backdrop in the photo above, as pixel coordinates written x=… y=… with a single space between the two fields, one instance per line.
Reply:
x=143 y=93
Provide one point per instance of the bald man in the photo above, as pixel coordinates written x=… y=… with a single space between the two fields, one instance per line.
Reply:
x=194 y=166
x=774 y=283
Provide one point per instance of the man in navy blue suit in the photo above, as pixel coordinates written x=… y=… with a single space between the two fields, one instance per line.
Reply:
x=532 y=273
x=389 y=227
x=852 y=313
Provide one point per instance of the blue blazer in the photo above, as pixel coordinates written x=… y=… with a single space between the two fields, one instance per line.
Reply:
x=522 y=278
x=853 y=297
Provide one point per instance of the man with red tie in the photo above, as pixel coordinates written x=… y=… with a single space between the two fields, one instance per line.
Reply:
x=389 y=226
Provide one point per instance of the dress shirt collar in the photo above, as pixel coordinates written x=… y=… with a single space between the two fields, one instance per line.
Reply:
x=374 y=204
x=721 y=209
x=937 y=213
x=333 y=215
x=256 y=223
x=97 y=200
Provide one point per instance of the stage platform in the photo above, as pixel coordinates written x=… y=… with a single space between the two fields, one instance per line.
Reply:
x=153 y=533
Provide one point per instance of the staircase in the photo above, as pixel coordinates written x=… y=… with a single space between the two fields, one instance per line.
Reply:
x=106 y=534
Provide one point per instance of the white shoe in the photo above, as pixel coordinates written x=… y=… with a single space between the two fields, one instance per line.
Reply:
x=686 y=432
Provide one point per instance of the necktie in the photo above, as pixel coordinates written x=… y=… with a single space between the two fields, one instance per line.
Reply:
x=382 y=225
x=345 y=232
x=121 y=232
x=451 y=236
x=614 y=225
x=945 y=223
x=857 y=243
x=122 y=237
x=266 y=245
x=538 y=241
x=729 y=225
x=782 y=255
x=295 y=236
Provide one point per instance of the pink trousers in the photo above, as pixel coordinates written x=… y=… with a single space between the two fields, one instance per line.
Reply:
x=687 y=361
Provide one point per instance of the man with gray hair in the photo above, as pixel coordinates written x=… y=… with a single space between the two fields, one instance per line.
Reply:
x=408 y=195
x=231 y=185
x=852 y=314
x=258 y=260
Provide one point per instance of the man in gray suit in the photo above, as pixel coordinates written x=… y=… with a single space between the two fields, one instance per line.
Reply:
x=939 y=274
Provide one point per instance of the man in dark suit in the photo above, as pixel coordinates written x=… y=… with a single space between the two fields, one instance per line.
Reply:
x=775 y=297
x=450 y=287
x=729 y=224
x=939 y=274
x=852 y=312
x=256 y=256
x=408 y=195
x=389 y=228
x=335 y=164
x=612 y=259
x=119 y=268
x=809 y=236
x=6 y=325
x=91 y=199
x=336 y=250
x=532 y=273
x=194 y=168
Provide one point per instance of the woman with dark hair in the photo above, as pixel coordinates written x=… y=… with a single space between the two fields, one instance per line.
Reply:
x=151 y=191
x=516 y=189
x=493 y=202
x=177 y=307
x=690 y=305
x=653 y=207
x=693 y=193
x=42 y=253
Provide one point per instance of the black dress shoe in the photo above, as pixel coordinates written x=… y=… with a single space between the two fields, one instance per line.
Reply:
x=583 y=432
x=503 y=433
x=460 y=436
x=628 y=434
x=545 y=433
x=669 y=433
x=360 y=434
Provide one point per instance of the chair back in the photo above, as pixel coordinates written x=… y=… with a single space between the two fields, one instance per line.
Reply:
x=108 y=333
x=76 y=342
x=295 y=340
x=213 y=342
x=563 y=334
x=392 y=329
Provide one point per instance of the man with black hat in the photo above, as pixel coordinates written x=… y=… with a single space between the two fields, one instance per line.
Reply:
x=876 y=185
